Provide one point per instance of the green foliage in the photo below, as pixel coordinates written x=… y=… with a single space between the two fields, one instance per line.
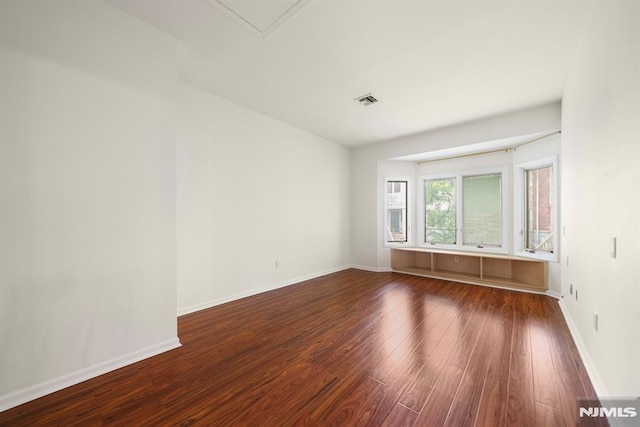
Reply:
x=440 y=210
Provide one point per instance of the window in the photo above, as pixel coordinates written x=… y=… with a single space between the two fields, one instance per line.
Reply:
x=538 y=220
x=482 y=210
x=440 y=211
x=397 y=223
x=395 y=186
x=396 y=211
x=538 y=208
x=465 y=211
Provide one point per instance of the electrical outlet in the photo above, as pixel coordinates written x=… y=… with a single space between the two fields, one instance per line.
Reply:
x=277 y=263
x=595 y=321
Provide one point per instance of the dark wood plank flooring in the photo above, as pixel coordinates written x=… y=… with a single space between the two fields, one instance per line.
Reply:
x=351 y=348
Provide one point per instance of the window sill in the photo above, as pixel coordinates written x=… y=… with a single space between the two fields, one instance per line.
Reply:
x=542 y=256
x=396 y=244
x=472 y=249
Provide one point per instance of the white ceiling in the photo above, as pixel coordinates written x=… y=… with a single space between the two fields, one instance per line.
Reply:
x=260 y=17
x=430 y=63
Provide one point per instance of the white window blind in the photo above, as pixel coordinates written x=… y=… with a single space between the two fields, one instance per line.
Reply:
x=482 y=210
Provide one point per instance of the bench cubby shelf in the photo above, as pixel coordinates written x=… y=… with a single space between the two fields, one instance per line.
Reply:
x=471 y=267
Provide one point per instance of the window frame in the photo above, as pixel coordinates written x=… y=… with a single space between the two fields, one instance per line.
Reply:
x=459 y=245
x=422 y=207
x=503 y=218
x=521 y=210
x=409 y=210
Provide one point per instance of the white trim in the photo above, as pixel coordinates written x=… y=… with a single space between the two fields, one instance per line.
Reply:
x=592 y=372
x=212 y=303
x=554 y=294
x=519 y=209
x=372 y=269
x=421 y=210
x=35 y=391
x=409 y=210
x=459 y=176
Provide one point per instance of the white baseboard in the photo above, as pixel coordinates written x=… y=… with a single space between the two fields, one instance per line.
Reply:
x=589 y=366
x=208 y=304
x=372 y=269
x=35 y=391
x=554 y=294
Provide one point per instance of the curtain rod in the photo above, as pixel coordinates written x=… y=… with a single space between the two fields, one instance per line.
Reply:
x=497 y=150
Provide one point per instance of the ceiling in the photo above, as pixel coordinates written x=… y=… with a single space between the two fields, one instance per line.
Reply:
x=430 y=63
x=260 y=17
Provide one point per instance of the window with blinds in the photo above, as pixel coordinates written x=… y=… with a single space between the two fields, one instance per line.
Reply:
x=482 y=210
x=465 y=211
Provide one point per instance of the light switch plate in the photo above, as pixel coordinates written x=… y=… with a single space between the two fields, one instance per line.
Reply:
x=612 y=247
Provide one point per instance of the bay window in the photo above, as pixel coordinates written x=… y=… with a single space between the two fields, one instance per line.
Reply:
x=464 y=211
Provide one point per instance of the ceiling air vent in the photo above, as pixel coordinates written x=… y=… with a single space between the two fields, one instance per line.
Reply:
x=367 y=99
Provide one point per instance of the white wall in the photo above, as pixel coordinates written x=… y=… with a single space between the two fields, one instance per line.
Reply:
x=87 y=194
x=251 y=191
x=369 y=168
x=89 y=232
x=601 y=182
x=98 y=139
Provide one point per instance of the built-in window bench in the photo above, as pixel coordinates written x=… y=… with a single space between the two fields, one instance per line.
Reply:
x=470 y=267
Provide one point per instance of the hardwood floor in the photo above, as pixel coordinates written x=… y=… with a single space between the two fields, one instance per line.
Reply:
x=351 y=348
